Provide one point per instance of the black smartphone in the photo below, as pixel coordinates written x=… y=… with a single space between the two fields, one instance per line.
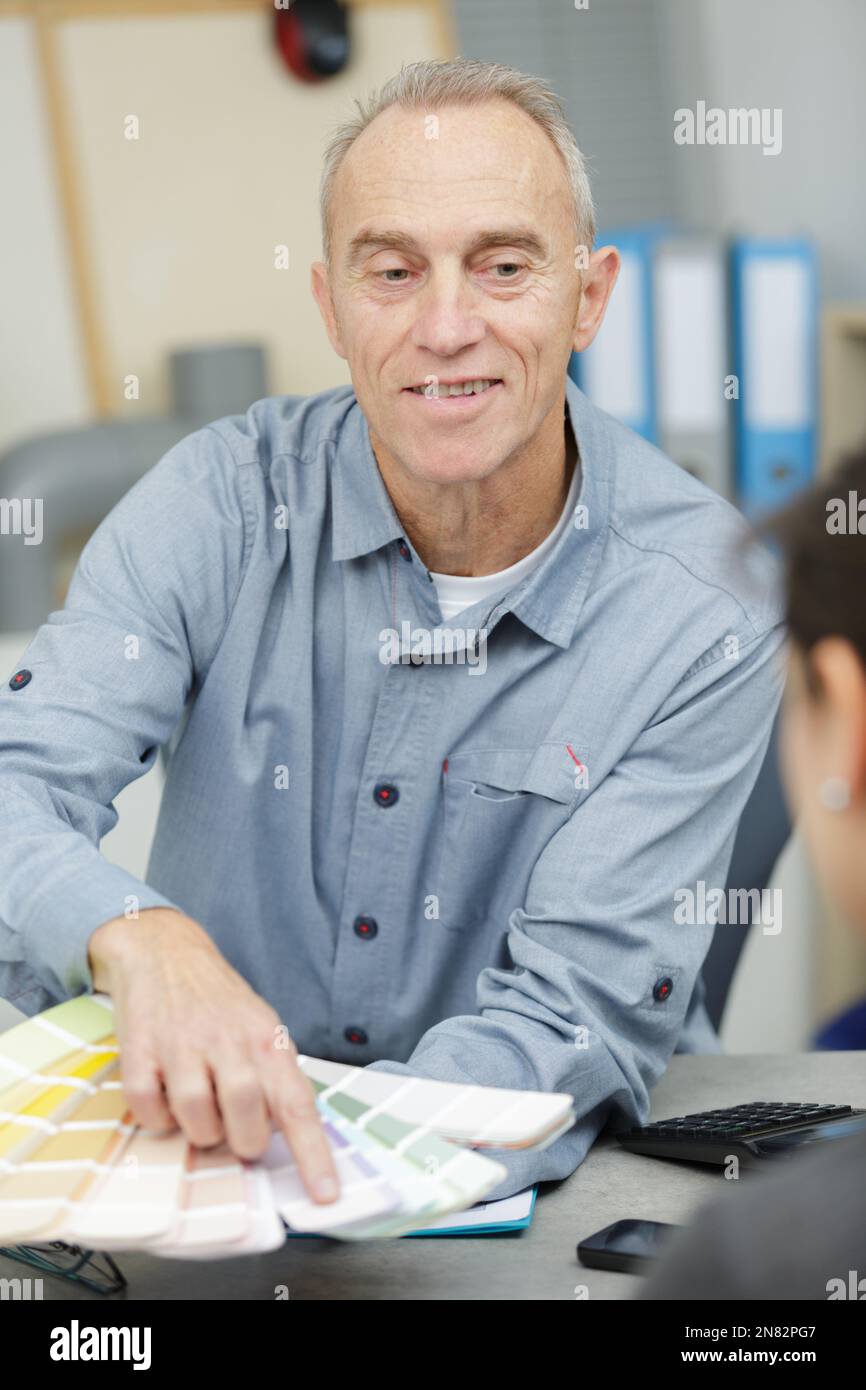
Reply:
x=627 y=1246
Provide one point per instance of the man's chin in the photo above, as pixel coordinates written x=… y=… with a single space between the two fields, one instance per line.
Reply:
x=445 y=457
x=433 y=458
x=438 y=465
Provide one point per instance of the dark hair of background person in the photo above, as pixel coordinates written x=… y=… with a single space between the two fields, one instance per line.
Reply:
x=825 y=568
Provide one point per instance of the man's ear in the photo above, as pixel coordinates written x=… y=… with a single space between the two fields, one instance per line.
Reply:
x=599 y=279
x=321 y=287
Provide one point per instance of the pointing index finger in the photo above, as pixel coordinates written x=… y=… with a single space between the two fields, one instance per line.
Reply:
x=292 y=1103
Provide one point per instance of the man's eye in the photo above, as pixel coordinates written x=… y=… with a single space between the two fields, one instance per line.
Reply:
x=394 y=270
x=507 y=265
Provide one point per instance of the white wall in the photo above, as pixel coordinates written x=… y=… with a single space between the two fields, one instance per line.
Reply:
x=807 y=59
x=771 y=1006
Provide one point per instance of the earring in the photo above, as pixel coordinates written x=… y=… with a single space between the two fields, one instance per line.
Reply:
x=835 y=793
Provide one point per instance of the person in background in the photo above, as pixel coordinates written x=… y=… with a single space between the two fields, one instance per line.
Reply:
x=799 y=1231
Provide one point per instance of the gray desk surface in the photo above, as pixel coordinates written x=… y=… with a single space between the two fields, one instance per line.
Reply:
x=539 y=1263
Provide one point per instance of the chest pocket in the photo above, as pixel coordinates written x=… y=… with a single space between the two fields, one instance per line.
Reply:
x=501 y=807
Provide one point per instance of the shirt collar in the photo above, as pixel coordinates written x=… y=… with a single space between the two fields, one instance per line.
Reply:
x=363 y=513
x=550 y=599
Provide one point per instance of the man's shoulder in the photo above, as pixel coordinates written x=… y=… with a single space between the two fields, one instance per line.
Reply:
x=659 y=513
x=286 y=426
x=200 y=482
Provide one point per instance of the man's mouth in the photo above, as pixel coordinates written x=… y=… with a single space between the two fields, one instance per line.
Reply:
x=475 y=386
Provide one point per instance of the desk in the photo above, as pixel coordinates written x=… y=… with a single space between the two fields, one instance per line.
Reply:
x=539 y=1263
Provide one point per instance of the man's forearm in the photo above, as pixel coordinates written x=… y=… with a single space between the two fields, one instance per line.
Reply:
x=56 y=889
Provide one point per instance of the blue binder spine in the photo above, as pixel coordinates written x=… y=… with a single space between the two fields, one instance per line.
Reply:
x=775 y=324
x=617 y=371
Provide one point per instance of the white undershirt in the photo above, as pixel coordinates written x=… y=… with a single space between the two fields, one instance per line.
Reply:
x=456 y=592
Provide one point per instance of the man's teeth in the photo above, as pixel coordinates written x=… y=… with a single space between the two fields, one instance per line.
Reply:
x=464 y=388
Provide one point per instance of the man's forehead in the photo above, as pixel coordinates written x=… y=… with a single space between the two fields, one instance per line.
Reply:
x=454 y=147
x=388 y=194
x=396 y=182
x=467 y=223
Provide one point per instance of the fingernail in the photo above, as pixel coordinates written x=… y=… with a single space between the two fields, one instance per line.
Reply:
x=325 y=1189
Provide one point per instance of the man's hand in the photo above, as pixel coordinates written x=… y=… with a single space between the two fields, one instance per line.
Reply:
x=198 y=1046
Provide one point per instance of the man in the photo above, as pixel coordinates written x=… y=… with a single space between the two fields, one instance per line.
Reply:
x=452 y=853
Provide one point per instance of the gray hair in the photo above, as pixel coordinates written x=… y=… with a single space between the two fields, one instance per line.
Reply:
x=464 y=82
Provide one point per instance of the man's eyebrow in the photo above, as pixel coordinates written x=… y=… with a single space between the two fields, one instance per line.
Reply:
x=386 y=239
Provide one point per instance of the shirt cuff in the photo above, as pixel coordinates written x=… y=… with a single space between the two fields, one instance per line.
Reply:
x=58 y=926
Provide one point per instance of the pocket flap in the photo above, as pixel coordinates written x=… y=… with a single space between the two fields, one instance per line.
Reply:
x=548 y=770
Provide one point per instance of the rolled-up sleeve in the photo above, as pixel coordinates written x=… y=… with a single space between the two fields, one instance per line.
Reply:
x=602 y=975
x=110 y=675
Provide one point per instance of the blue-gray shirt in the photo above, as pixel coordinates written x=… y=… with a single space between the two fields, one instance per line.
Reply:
x=462 y=866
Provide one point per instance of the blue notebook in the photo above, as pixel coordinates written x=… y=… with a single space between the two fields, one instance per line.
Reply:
x=485 y=1218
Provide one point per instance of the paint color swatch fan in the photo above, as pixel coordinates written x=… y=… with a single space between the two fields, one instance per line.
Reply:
x=76 y=1169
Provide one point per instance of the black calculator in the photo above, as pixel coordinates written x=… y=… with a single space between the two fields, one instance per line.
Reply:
x=756 y=1132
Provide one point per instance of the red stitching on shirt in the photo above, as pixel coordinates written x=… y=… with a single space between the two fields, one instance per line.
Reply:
x=578 y=763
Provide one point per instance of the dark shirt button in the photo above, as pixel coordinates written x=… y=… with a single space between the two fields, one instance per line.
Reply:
x=385 y=793
x=366 y=927
x=404 y=550
x=20 y=679
x=355 y=1035
x=662 y=988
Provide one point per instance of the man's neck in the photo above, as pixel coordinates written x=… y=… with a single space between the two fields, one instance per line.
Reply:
x=480 y=528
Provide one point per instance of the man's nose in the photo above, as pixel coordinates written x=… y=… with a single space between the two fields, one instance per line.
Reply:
x=447 y=318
